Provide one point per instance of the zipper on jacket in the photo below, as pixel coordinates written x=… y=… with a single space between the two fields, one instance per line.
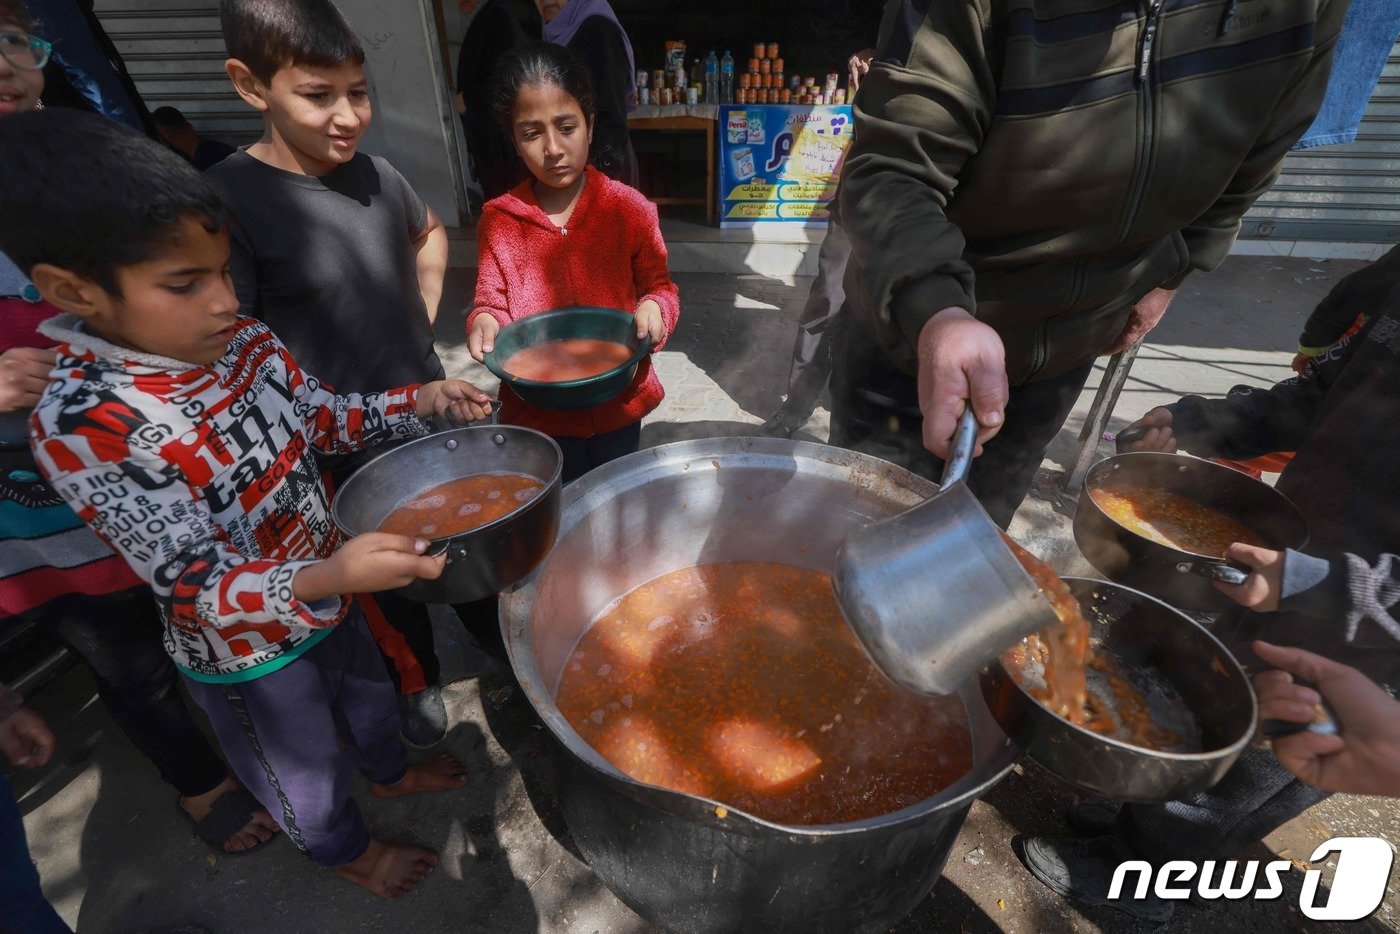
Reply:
x=1145 y=48
x=1149 y=37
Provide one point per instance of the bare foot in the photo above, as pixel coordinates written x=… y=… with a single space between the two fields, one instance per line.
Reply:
x=389 y=870
x=440 y=773
x=260 y=826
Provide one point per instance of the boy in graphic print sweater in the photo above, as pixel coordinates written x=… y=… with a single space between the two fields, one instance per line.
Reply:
x=184 y=435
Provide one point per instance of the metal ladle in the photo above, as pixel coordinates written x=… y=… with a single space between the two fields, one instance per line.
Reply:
x=934 y=593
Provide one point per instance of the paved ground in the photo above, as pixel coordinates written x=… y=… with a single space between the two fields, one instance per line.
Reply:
x=115 y=856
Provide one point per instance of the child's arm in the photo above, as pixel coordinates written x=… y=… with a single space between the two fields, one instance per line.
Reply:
x=651 y=276
x=144 y=508
x=491 y=305
x=1364 y=597
x=431 y=249
x=243 y=270
x=1250 y=421
x=337 y=424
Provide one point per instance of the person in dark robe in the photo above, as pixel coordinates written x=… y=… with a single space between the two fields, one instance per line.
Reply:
x=491 y=31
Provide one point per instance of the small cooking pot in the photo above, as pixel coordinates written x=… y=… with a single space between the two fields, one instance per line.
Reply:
x=1152 y=643
x=1181 y=578
x=490 y=558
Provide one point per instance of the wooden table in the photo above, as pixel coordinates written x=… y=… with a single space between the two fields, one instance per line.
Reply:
x=690 y=118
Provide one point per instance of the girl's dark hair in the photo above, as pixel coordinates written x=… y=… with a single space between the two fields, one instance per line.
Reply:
x=535 y=64
x=13 y=11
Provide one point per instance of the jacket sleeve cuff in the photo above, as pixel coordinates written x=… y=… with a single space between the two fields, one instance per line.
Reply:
x=1175 y=282
x=1312 y=586
x=282 y=602
x=501 y=317
x=912 y=305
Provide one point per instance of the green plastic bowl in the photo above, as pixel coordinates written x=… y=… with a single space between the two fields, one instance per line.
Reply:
x=578 y=321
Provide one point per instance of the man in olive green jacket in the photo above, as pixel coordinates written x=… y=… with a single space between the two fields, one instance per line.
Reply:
x=1029 y=183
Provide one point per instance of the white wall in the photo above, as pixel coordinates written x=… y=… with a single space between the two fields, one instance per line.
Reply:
x=414 y=125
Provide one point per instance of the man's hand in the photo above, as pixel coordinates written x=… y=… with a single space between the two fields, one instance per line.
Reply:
x=1365 y=758
x=24 y=372
x=1158 y=436
x=481 y=336
x=961 y=359
x=1143 y=318
x=26 y=739
x=1260 y=590
x=650 y=323
x=858 y=65
x=368 y=563
x=455 y=397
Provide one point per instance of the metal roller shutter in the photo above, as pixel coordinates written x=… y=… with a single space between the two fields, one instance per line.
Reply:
x=1348 y=193
x=176 y=55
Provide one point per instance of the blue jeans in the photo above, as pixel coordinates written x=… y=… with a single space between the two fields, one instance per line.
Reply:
x=23 y=908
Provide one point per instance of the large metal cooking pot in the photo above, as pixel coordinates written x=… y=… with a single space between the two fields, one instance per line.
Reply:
x=668 y=855
x=489 y=558
x=1153 y=643
x=1179 y=577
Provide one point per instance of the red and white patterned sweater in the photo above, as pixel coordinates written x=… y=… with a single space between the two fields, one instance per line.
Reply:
x=204 y=479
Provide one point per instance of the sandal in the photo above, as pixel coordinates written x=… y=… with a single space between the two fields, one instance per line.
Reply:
x=230 y=813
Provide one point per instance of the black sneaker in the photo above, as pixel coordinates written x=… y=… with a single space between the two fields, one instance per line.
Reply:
x=423 y=718
x=1082 y=870
x=1092 y=818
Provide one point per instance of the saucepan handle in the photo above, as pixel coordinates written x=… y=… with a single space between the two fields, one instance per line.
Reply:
x=445 y=546
x=1325 y=722
x=959 y=462
x=447 y=422
x=1227 y=572
x=1126 y=438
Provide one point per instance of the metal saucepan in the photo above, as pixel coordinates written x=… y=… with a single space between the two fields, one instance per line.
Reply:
x=1152 y=644
x=1182 y=578
x=490 y=558
x=933 y=594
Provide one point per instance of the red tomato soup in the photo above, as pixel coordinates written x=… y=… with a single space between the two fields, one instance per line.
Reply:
x=563 y=360
x=741 y=682
x=461 y=505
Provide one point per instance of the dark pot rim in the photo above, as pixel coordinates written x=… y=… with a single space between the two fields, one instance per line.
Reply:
x=1212 y=755
x=642 y=349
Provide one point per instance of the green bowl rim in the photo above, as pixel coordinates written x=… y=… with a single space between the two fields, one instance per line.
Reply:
x=643 y=348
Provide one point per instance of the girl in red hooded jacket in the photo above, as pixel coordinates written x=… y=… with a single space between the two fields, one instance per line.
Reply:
x=569 y=235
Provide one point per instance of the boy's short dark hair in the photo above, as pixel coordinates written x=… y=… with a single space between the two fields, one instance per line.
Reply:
x=267 y=35
x=90 y=195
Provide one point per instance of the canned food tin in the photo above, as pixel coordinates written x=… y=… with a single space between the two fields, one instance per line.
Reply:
x=643 y=95
x=692 y=95
x=745 y=81
x=760 y=50
x=785 y=96
x=777 y=64
x=772 y=50
x=765 y=67
x=658 y=79
x=666 y=97
x=753 y=66
x=641 y=79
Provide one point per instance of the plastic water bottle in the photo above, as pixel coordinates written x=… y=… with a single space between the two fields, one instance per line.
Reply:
x=711 y=78
x=726 y=79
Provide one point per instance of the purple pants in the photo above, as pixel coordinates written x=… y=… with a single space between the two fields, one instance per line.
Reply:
x=294 y=737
